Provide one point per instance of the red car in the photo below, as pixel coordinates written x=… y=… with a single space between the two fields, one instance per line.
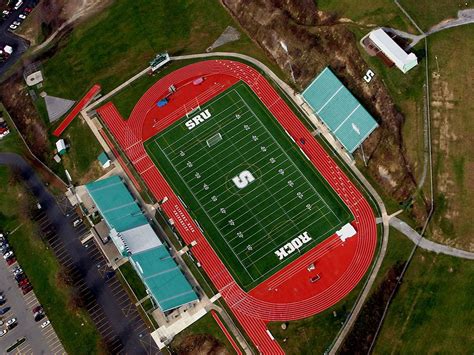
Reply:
x=27 y=10
x=23 y=282
x=26 y=289
x=37 y=309
x=11 y=261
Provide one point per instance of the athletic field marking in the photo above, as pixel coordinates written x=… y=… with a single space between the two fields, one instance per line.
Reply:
x=279 y=204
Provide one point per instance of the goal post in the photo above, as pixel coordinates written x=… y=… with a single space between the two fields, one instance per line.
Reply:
x=192 y=107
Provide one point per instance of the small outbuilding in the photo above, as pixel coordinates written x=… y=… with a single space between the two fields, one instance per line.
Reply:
x=104 y=160
x=61 y=147
x=392 y=50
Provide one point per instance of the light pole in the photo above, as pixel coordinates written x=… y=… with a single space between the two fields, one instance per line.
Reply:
x=285 y=48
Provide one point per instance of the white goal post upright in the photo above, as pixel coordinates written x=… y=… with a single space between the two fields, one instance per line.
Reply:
x=192 y=108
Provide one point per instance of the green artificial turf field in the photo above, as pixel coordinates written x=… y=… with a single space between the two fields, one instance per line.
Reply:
x=257 y=198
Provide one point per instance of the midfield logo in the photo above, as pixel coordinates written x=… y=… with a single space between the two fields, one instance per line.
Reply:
x=292 y=246
x=196 y=120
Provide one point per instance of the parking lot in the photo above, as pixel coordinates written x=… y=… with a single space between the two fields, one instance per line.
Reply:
x=115 y=315
x=106 y=294
x=39 y=340
x=7 y=37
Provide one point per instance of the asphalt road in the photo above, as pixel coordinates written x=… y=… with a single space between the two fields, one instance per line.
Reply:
x=8 y=38
x=132 y=340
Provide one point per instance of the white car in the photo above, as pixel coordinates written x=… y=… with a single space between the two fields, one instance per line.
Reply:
x=8 y=254
x=3 y=332
x=18 y=4
x=45 y=324
x=21 y=16
x=17 y=23
x=13 y=27
x=11 y=322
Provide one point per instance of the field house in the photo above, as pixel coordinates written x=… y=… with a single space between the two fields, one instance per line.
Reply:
x=274 y=222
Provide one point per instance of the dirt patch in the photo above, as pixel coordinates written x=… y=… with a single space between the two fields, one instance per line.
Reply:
x=17 y=101
x=200 y=344
x=315 y=40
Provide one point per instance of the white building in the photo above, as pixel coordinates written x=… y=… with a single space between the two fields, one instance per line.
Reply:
x=392 y=50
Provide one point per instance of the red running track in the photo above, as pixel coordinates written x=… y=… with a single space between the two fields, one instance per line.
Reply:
x=226 y=332
x=75 y=111
x=288 y=294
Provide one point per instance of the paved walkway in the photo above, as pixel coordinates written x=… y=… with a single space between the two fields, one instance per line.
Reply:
x=465 y=17
x=426 y=244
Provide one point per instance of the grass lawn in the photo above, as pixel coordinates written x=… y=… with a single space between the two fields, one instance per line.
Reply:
x=433 y=309
x=204 y=326
x=73 y=326
x=234 y=215
x=81 y=158
x=133 y=280
x=452 y=131
x=378 y=12
x=427 y=13
x=120 y=41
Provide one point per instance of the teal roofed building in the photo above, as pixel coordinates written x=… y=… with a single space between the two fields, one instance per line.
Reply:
x=135 y=238
x=116 y=204
x=339 y=110
x=163 y=278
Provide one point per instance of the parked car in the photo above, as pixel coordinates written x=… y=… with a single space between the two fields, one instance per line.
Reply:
x=5 y=13
x=13 y=27
x=17 y=270
x=20 y=277
x=22 y=16
x=38 y=316
x=11 y=261
x=6 y=250
x=8 y=254
x=4 y=310
x=3 y=332
x=27 y=10
x=23 y=282
x=38 y=308
x=26 y=289
x=45 y=324
x=17 y=23
x=18 y=4
x=11 y=323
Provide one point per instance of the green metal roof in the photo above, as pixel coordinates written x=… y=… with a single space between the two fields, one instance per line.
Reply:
x=103 y=158
x=347 y=119
x=163 y=278
x=116 y=204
